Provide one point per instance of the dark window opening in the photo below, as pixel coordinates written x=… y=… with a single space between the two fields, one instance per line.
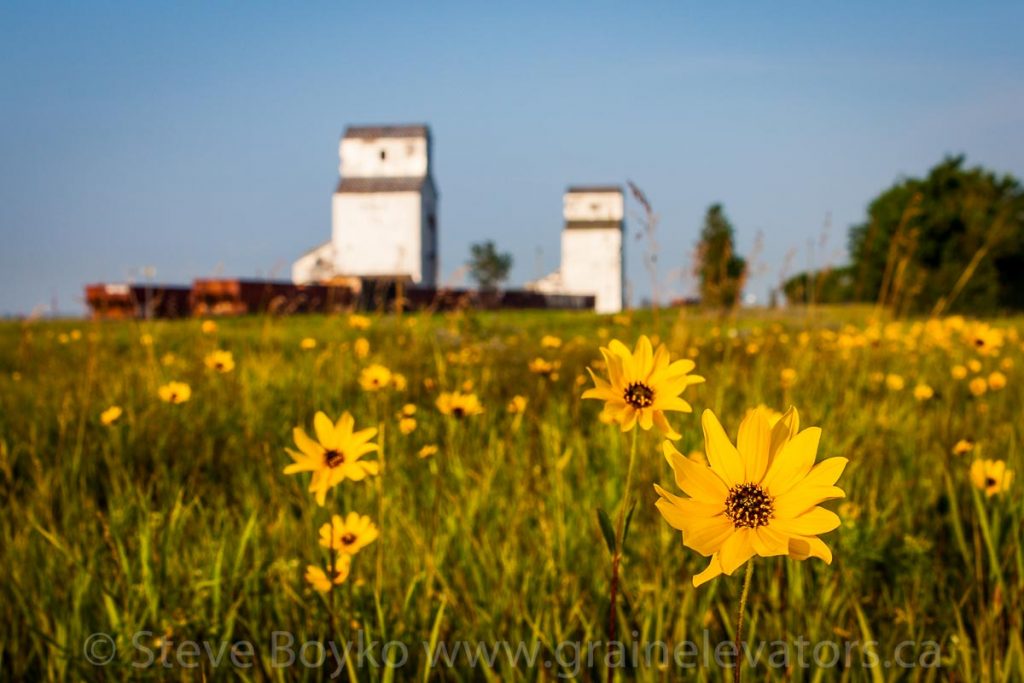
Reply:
x=383 y=155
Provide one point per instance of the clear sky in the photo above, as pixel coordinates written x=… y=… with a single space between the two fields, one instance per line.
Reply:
x=201 y=138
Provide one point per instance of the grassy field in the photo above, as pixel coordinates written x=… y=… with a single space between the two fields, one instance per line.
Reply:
x=175 y=535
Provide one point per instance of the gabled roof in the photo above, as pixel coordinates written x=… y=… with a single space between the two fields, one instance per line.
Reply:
x=361 y=185
x=601 y=189
x=373 y=132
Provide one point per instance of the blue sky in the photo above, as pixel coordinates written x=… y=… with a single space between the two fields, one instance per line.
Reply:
x=201 y=138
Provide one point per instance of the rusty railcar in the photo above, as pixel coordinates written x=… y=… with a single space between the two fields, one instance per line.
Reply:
x=232 y=296
x=112 y=301
x=443 y=299
x=221 y=296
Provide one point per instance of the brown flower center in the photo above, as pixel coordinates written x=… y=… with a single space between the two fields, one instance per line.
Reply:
x=749 y=505
x=334 y=458
x=348 y=539
x=458 y=411
x=990 y=482
x=639 y=395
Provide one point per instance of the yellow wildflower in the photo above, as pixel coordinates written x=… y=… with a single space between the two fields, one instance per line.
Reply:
x=923 y=392
x=175 y=392
x=517 y=405
x=642 y=385
x=760 y=497
x=317 y=577
x=991 y=476
x=358 y=322
x=349 y=535
x=335 y=455
x=374 y=377
x=220 y=361
x=458 y=404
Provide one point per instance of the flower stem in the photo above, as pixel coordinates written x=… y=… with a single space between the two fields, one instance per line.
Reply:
x=620 y=532
x=739 y=619
x=332 y=568
x=380 y=508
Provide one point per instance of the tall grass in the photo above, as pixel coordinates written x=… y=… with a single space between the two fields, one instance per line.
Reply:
x=178 y=520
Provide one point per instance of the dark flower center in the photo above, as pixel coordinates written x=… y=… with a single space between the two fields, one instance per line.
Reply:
x=749 y=505
x=989 y=482
x=458 y=411
x=333 y=458
x=639 y=395
x=348 y=539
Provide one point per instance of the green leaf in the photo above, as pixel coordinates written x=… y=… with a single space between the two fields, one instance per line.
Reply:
x=435 y=634
x=629 y=518
x=606 y=529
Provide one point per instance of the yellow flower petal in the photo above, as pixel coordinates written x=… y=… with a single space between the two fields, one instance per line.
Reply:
x=825 y=473
x=754 y=444
x=800 y=548
x=696 y=480
x=713 y=569
x=793 y=462
x=643 y=357
x=800 y=499
x=306 y=444
x=723 y=456
x=324 y=429
x=685 y=513
x=708 y=536
x=664 y=427
x=345 y=424
x=816 y=521
x=768 y=543
x=784 y=430
x=736 y=550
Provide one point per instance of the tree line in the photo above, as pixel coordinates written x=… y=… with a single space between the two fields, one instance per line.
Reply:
x=952 y=241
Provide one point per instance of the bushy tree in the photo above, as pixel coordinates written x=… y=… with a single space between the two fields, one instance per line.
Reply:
x=487 y=266
x=720 y=270
x=832 y=286
x=953 y=240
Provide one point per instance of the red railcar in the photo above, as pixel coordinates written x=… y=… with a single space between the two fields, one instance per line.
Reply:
x=123 y=301
x=219 y=296
x=223 y=296
x=420 y=298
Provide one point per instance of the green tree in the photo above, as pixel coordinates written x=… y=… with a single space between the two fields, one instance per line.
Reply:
x=953 y=240
x=487 y=266
x=720 y=269
x=831 y=286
